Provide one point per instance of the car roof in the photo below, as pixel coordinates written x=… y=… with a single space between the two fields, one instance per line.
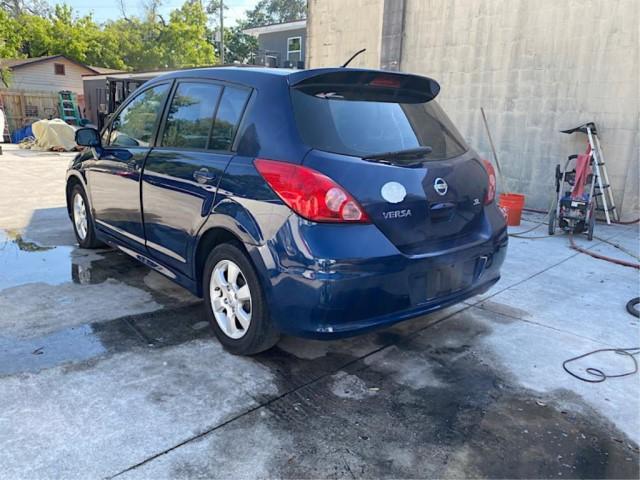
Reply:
x=246 y=75
x=252 y=75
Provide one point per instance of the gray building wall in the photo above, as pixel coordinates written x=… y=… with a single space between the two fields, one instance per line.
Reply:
x=535 y=67
x=277 y=42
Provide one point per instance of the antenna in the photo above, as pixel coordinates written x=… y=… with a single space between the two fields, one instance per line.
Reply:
x=353 y=56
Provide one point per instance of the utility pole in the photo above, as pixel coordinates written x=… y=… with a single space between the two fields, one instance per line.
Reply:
x=222 y=32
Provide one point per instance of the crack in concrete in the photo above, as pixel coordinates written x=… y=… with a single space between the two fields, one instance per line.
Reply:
x=278 y=397
x=333 y=372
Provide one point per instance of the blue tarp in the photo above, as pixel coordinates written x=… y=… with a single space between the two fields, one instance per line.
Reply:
x=24 y=132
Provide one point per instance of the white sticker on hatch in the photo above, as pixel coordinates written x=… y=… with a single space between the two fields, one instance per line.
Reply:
x=393 y=192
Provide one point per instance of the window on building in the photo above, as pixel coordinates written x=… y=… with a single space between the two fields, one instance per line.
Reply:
x=31 y=111
x=58 y=68
x=294 y=49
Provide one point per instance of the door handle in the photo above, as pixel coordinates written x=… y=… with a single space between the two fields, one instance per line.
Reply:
x=203 y=176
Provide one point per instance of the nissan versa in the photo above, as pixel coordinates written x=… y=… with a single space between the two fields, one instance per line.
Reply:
x=319 y=203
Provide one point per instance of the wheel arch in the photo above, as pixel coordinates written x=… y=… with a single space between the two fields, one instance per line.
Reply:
x=208 y=240
x=73 y=179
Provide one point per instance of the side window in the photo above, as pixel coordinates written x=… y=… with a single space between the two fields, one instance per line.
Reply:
x=229 y=112
x=190 y=115
x=134 y=126
x=294 y=49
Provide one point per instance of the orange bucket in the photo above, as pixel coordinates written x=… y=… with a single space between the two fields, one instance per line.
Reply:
x=512 y=204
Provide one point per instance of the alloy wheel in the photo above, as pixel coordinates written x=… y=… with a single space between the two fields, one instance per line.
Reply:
x=80 y=216
x=230 y=299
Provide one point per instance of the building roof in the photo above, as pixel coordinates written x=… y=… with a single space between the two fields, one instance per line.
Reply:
x=13 y=63
x=103 y=70
x=276 y=27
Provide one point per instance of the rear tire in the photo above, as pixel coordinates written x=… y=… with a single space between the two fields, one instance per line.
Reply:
x=235 y=303
x=83 y=225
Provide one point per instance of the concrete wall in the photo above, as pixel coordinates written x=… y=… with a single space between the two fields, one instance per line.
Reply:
x=277 y=42
x=536 y=67
x=41 y=77
x=336 y=29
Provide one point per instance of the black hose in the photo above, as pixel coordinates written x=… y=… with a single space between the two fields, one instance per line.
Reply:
x=597 y=375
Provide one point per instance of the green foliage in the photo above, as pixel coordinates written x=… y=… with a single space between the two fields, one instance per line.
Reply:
x=186 y=42
x=33 y=28
x=126 y=44
x=239 y=48
x=9 y=44
x=10 y=40
x=275 y=11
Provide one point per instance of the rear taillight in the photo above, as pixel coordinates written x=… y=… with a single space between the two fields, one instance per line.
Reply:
x=491 y=186
x=309 y=193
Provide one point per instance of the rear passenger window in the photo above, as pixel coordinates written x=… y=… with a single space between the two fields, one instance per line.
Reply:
x=191 y=115
x=229 y=112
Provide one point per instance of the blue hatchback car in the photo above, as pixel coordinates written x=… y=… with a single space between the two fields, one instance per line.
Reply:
x=318 y=203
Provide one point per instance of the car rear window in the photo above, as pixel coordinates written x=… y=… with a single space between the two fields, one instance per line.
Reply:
x=331 y=121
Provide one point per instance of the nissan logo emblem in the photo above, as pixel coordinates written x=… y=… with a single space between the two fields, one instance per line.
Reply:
x=440 y=186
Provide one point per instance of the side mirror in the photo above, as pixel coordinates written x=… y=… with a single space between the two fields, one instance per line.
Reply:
x=88 y=137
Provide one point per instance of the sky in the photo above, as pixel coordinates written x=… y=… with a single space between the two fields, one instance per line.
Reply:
x=110 y=9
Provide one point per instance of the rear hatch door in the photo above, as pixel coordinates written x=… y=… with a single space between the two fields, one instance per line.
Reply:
x=384 y=139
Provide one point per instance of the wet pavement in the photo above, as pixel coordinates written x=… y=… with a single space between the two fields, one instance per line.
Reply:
x=108 y=369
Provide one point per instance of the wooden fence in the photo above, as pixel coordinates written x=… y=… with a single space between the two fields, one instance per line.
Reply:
x=23 y=107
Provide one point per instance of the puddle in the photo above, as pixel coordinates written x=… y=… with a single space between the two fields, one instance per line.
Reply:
x=31 y=355
x=79 y=344
x=24 y=262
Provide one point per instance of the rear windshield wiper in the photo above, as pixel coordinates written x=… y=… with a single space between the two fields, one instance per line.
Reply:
x=399 y=156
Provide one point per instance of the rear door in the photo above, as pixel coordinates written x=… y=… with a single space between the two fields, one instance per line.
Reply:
x=181 y=174
x=424 y=203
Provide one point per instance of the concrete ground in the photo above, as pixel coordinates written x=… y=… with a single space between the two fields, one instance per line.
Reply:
x=109 y=370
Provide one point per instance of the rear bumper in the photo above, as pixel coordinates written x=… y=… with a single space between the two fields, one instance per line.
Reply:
x=329 y=281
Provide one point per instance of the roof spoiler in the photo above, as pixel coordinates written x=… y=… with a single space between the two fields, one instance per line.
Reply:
x=365 y=84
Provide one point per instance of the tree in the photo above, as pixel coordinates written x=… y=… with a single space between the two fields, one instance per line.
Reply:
x=185 y=38
x=141 y=43
x=10 y=43
x=10 y=40
x=275 y=11
x=239 y=48
x=15 y=8
x=152 y=42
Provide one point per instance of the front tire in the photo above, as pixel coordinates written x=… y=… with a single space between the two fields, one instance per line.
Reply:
x=235 y=304
x=82 y=219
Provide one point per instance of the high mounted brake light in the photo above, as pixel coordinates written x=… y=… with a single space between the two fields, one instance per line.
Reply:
x=372 y=85
x=310 y=194
x=491 y=184
x=385 y=81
